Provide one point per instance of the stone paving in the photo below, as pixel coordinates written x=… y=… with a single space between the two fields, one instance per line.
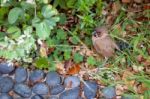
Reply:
x=19 y=83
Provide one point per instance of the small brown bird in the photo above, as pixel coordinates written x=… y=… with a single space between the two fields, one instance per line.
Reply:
x=103 y=43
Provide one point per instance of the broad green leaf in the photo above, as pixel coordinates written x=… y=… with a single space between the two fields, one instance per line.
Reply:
x=67 y=55
x=28 y=30
x=2 y=35
x=35 y=21
x=48 y=11
x=42 y=30
x=91 y=60
x=78 y=58
x=14 y=32
x=88 y=41
x=26 y=5
x=74 y=40
x=51 y=22
x=61 y=34
x=63 y=18
x=14 y=15
x=61 y=3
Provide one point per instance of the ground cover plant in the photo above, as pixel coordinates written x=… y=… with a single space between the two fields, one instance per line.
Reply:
x=55 y=35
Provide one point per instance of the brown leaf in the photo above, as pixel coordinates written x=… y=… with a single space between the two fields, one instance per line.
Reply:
x=142 y=18
x=68 y=64
x=126 y=79
x=50 y=50
x=75 y=69
x=138 y=1
x=126 y=1
x=120 y=89
x=146 y=7
x=148 y=51
x=146 y=63
x=140 y=58
x=141 y=88
x=116 y=7
x=43 y=48
x=43 y=51
x=147 y=69
x=60 y=68
x=110 y=19
x=137 y=68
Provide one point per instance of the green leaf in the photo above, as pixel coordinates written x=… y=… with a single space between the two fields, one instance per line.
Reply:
x=48 y=11
x=78 y=58
x=63 y=18
x=74 y=40
x=88 y=41
x=61 y=3
x=70 y=3
x=42 y=30
x=51 y=22
x=35 y=21
x=26 y=5
x=3 y=12
x=52 y=66
x=2 y=35
x=67 y=55
x=42 y=63
x=14 y=32
x=91 y=60
x=61 y=34
x=14 y=15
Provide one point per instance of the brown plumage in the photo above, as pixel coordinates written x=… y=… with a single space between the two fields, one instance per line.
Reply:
x=103 y=43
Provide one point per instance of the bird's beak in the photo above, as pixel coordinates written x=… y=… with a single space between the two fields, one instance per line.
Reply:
x=93 y=33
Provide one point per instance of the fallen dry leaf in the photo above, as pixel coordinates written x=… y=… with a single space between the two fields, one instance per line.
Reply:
x=43 y=48
x=141 y=88
x=116 y=7
x=148 y=51
x=140 y=58
x=119 y=89
x=110 y=20
x=60 y=68
x=138 y=1
x=75 y=69
x=146 y=63
x=126 y=79
x=68 y=64
x=50 y=50
x=43 y=52
x=146 y=7
x=126 y=1
x=138 y=68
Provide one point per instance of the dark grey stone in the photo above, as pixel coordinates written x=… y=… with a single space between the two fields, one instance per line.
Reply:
x=90 y=89
x=40 y=89
x=6 y=68
x=22 y=90
x=6 y=84
x=21 y=75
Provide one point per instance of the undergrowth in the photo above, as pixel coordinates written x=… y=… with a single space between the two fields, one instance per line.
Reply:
x=45 y=32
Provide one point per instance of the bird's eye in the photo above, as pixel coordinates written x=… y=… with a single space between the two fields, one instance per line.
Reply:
x=95 y=35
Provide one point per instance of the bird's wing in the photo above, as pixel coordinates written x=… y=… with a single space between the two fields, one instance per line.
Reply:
x=113 y=43
x=103 y=46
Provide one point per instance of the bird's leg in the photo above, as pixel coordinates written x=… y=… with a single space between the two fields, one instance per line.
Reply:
x=104 y=63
